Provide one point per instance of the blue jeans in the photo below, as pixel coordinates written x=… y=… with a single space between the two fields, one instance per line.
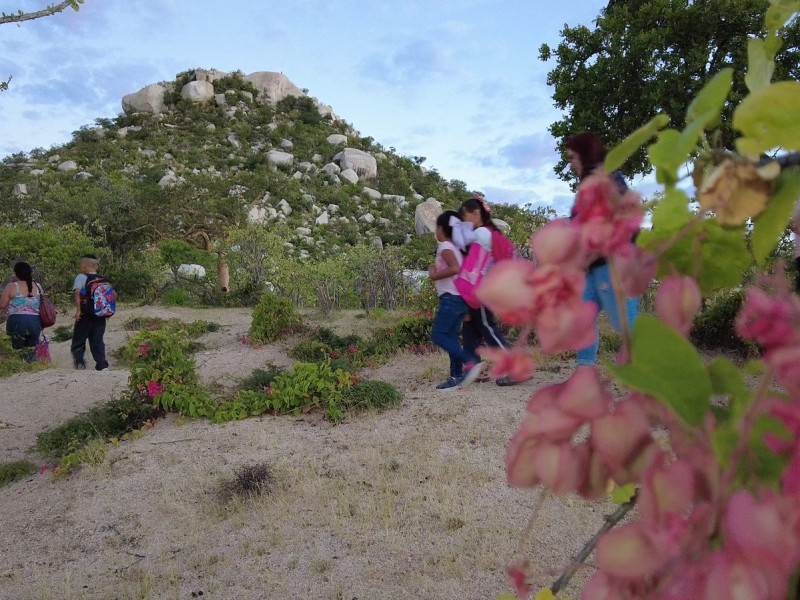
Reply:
x=600 y=291
x=447 y=329
x=24 y=331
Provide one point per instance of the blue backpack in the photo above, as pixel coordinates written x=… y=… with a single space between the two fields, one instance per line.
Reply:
x=98 y=297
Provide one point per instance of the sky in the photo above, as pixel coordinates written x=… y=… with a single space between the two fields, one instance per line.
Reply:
x=456 y=81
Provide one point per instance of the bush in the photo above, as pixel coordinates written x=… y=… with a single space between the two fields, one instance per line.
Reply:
x=176 y=296
x=371 y=394
x=273 y=317
x=62 y=333
x=260 y=379
x=192 y=329
x=110 y=419
x=16 y=471
x=10 y=360
x=713 y=329
x=162 y=367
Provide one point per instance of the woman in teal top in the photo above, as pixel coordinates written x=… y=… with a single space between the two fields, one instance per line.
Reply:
x=20 y=299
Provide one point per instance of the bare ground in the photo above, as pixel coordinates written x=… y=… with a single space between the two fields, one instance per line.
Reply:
x=409 y=503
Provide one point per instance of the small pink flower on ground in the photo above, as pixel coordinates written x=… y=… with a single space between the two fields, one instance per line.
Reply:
x=154 y=388
x=515 y=362
x=143 y=349
x=678 y=301
x=518 y=577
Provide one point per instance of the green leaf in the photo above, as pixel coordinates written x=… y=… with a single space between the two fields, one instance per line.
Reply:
x=724 y=440
x=779 y=12
x=760 y=66
x=668 y=367
x=623 y=494
x=672 y=212
x=769 y=118
x=622 y=152
x=767 y=465
x=727 y=379
x=707 y=105
x=665 y=154
x=724 y=257
x=770 y=224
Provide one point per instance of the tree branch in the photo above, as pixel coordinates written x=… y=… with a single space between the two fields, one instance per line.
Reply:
x=46 y=12
x=579 y=560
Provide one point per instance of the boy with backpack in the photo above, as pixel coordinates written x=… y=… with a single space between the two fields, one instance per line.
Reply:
x=95 y=301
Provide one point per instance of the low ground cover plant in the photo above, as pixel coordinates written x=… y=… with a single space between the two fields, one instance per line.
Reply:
x=16 y=471
x=273 y=317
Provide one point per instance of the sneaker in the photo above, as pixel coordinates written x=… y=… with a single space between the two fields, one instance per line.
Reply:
x=471 y=372
x=451 y=383
x=505 y=380
x=99 y=368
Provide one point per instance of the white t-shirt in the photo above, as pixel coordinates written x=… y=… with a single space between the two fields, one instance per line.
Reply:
x=483 y=235
x=446 y=285
x=80 y=281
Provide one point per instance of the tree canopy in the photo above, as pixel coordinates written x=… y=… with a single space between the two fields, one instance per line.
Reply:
x=648 y=56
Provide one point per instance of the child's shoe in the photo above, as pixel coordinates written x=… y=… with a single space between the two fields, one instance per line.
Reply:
x=471 y=372
x=449 y=384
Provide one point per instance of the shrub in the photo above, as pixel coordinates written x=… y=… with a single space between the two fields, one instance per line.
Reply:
x=110 y=419
x=62 y=333
x=10 y=360
x=713 y=329
x=371 y=394
x=273 y=317
x=162 y=367
x=260 y=379
x=16 y=471
x=248 y=481
x=176 y=296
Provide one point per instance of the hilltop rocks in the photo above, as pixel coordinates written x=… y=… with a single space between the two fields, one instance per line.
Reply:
x=371 y=194
x=349 y=175
x=362 y=163
x=197 y=91
x=285 y=207
x=68 y=165
x=323 y=219
x=336 y=139
x=273 y=86
x=20 y=189
x=209 y=75
x=425 y=216
x=332 y=169
x=148 y=99
x=502 y=225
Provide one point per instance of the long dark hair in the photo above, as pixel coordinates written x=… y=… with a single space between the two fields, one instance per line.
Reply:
x=589 y=148
x=24 y=272
x=443 y=221
x=478 y=203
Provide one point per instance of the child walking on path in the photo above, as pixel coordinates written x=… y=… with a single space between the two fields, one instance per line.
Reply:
x=481 y=325
x=87 y=325
x=464 y=366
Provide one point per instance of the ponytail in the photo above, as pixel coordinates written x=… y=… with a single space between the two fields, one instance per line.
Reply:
x=24 y=272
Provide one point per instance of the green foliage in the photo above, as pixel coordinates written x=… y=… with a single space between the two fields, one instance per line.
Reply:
x=62 y=333
x=657 y=353
x=260 y=379
x=15 y=471
x=713 y=328
x=54 y=252
x=647 y=57
x=364 y=395
x=192 y=329
x=176 y=296
x=769 y=118
x=103 y=421
x=419 y=252
x=771 y=224
x=163 y=359
x=273 y=317
x=11 y=361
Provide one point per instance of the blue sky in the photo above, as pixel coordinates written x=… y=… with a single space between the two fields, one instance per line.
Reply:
x=456 y=81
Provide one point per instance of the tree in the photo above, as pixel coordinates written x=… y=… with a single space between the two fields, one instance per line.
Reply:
x=649 y=56
x=20 y=16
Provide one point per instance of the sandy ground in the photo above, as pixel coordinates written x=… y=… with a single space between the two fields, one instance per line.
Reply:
x=409 y=503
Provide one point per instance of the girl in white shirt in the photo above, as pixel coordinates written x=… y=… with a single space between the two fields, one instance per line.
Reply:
x=464 y=366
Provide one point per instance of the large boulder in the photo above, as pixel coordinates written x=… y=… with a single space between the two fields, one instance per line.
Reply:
x=198 y=91
x=501 y=225
x=148 y=99
x=68 y=165
x=273 y=87
x=336 y=139
x=20 y=189
x=425 y=216
x=192 y=271
x=371 y=194
x=331 y=169
x=362 y=163
x=209 y=75
x=349 y=175
x=323 y=219
x=276 y=157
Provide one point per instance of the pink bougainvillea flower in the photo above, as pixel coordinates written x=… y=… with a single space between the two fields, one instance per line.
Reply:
x=584 y=395
x=515 y=362
x=786 y=362
x=566 y=328
x=630 y=552
x=154 y=388
x=594 y=198
x=768 y=321
x=666 y=490
x=636 y=269
x=507 y=291
x=621 y=436
x=520 y=471
x=727 y=577
x=678 y=301
x=143 y=349
x=518 y=577
x=559 y=243
x=561 y=467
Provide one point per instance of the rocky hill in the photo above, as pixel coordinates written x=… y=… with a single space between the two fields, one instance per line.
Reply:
x=195 y=158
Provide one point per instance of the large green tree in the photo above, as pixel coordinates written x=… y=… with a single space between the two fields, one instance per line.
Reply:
x=648 y=56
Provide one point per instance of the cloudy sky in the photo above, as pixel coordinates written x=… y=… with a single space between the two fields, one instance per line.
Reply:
x=456 y=81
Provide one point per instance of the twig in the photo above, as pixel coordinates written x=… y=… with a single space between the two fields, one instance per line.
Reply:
x=134 y=554
x=176 y=441
x=587 y=549
x=22 y=16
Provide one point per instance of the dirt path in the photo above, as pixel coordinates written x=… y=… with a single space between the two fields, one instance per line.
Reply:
x=409 y=503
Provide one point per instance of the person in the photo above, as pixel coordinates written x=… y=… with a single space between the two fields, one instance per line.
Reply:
x=586 y=153
x=20 y=299
x=480 y=324
x=87 y=326
x=796 y=230
x=464 y=367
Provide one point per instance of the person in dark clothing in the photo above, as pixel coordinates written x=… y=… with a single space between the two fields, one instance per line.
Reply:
x=87 y=326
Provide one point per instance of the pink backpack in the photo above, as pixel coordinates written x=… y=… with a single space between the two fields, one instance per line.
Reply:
x=477 y=263
x=502 y=248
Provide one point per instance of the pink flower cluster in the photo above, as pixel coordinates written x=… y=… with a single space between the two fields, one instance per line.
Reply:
x=154 y=388
x=548 y=295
